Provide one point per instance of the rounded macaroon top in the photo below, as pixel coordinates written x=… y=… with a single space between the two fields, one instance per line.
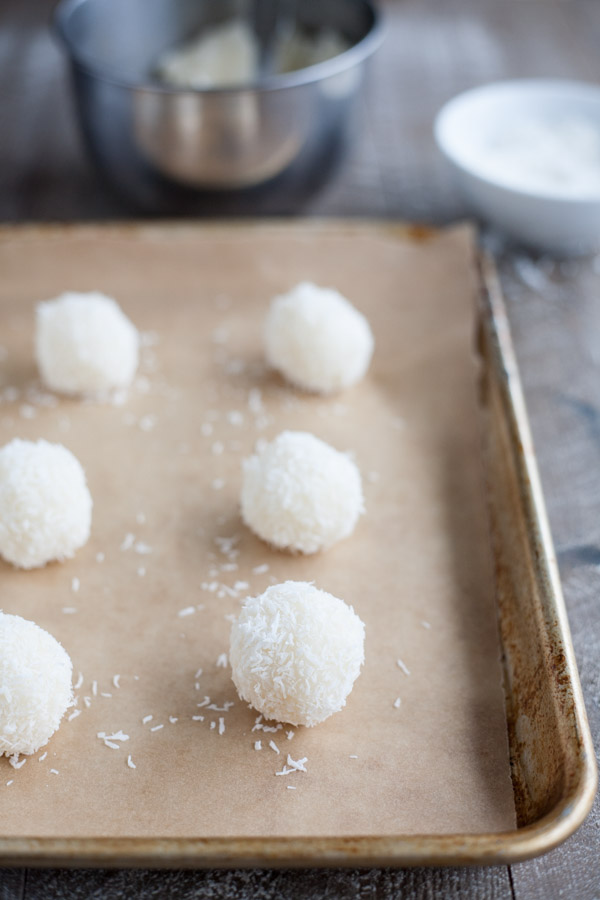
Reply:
x=85 y=344
x=300 y=494
x=45 y=504
x=317 y=339
x=35 y=685
x=296 y=652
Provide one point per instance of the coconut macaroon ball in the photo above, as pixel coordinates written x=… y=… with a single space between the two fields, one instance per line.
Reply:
x=317 y=339
x=296 y=652
x=85 y=344
x=300 y=494
x=45 y=504
x=35 y=685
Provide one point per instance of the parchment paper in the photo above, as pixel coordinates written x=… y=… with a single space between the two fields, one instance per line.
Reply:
x=417 y=569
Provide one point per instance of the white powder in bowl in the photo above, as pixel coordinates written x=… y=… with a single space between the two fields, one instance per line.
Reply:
x=223 y=56
x=558 y=156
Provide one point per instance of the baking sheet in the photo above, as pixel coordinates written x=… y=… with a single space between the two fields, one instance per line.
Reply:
x=417 y=569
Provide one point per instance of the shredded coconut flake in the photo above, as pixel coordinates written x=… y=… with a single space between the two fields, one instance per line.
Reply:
x=222 y=661
x=274 y=746
x=397 y=703
x=147 y=719
x=79 y=682
x=43 y=756
x=187 y=611
x=221 y=725
x=173 y=719
x=74 y=714
x=128 y=541
x=258 y=745
x=54 y=772
x=142 y=548
x=157 y=727
x=130 y=763
x=403 y=667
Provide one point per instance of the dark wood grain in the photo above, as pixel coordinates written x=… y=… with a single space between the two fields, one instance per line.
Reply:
x=313 y=884
x=435 y=48
x=12 y=884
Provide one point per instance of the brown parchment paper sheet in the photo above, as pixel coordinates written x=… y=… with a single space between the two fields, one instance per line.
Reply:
x=417 y=569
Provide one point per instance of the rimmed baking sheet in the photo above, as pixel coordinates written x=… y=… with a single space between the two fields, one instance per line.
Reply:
x=164 y=469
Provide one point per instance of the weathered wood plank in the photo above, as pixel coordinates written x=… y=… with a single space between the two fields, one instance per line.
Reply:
x=12 y=884
x=310 y=884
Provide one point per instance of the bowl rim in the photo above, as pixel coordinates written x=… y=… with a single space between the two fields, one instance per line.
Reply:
x=544 y=85
x=351 y=57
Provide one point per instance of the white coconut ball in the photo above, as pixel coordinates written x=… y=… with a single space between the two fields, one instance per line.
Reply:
x=300 y=494
x=317 y=339
x=85 y=344
x=296 y=652
x=45 y=504
x=35 y=685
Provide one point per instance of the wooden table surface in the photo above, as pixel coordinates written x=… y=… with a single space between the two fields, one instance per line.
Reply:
x=434 y=49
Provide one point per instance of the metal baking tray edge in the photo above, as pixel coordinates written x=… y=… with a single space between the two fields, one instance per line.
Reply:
x=552 y=758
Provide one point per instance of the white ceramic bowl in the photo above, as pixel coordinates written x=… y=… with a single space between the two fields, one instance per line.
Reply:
x=545 y=216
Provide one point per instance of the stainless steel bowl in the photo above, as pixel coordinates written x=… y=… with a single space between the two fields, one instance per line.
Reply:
x=146 y=136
